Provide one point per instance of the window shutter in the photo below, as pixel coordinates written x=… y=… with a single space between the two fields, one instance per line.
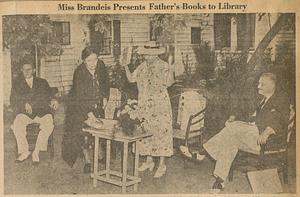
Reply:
x=222 y=30
x=117 y=38
x=245 y=31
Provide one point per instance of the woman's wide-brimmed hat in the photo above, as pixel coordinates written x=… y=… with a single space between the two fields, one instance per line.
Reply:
x=151 y=49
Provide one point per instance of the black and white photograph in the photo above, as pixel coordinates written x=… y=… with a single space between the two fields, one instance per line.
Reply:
x=149 y=103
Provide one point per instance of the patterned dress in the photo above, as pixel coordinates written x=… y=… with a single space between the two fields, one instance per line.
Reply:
x=155 y=107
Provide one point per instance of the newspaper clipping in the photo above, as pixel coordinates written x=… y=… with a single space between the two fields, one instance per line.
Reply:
x=149 y=97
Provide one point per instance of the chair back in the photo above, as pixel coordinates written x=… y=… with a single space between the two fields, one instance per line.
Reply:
x=279 y=143
x=291 y=125
x=195 y=120
x=190 y=104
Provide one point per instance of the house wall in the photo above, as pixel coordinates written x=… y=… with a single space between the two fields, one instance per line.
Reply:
x=58 y=70
x=263 y=25
x=284 y=36
x=183 y=46
x=135 y=31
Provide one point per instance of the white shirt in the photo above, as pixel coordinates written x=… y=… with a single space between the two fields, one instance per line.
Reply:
x=29 y=81
x=91 y=71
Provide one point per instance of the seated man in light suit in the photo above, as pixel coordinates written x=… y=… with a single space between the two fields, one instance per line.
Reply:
x=270 y=118
x=31 y=101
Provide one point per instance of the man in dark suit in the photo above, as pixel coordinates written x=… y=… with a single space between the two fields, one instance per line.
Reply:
x=31 y=101
x=270 y=118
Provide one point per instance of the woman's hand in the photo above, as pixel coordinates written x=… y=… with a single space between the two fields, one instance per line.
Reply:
x=104 y=103
x=54 y=104
x=28 y=108
x=230 y=120
x=130 y=76
x=91 y=116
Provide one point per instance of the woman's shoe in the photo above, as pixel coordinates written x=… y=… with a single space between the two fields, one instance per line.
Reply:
x=146 y=165
x=194 y=155
x=161 y=170
x=87 y=168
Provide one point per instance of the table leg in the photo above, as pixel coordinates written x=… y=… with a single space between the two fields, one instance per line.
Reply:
x=107 y=166
x=124 y=174
x=136 y=166
x=96 y=152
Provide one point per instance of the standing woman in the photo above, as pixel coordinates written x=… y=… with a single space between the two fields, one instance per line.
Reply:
x=153 y=77
x=87 y=98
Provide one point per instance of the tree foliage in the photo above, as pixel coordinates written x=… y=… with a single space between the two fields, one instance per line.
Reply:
x=22 y=33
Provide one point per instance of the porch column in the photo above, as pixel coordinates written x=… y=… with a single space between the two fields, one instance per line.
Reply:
x=6 y=77
x=233 y=38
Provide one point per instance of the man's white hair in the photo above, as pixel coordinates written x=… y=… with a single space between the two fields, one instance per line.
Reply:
x=270 y=76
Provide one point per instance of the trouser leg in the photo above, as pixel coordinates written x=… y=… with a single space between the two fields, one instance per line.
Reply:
x=46 y=126
x=19 y=128
x=224 y=146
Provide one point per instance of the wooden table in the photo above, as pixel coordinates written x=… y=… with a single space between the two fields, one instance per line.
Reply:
x=107 y=175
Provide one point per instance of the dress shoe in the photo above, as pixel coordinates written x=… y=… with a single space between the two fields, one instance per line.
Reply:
x=23 y=157
x=161 y=170
x=218 y=185
x=194 y=155
x=87 y=168
x=146 y=165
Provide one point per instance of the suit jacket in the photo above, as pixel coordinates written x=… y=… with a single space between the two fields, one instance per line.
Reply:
x=274 y=114
x=38 y=96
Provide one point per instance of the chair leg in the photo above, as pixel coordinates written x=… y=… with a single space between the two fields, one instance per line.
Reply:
x=51 y=146
x=185 y=163
x=230 y=175
x=52 y=151
x=285 y=173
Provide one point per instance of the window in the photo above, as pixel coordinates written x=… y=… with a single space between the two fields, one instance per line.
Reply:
x=195 y=35
x=222 y=30
x=61 y=33
x=102 y=37
x=155 y=30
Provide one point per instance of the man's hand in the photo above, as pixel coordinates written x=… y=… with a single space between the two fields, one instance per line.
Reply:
x=263 y=137
x=54 y=104
x=28 y=108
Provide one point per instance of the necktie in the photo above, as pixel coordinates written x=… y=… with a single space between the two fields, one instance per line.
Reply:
x=260 y=106
x=29 y=82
